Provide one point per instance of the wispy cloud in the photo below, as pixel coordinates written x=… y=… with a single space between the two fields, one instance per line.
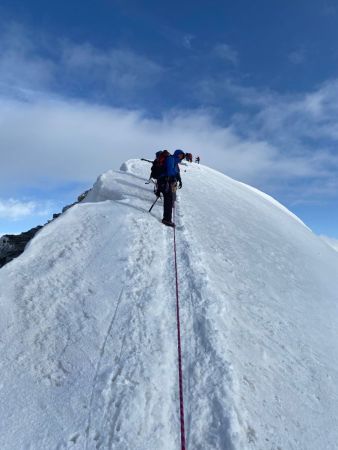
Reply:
x=14 y=209
x=226 y=53
x=65 y=67
x=297 y=57
x=116 y=67
x=187 y=40
x=300 y=130
x=310 y=116
x=21 y=66
x=177 y=37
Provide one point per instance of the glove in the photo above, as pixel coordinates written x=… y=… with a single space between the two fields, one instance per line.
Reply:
x=179 y=184
x=158 y=193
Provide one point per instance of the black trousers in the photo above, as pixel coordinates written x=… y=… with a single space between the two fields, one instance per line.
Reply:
x=167 y=188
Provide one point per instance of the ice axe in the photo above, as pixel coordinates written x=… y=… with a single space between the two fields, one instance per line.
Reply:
x=154 y=203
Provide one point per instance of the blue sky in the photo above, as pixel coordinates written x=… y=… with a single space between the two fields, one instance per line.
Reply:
x=250 y=86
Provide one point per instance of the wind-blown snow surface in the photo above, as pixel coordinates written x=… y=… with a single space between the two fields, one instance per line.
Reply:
x=331 y=242
x=88 y=328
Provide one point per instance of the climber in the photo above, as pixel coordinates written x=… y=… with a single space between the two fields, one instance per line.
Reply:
x=167 y=184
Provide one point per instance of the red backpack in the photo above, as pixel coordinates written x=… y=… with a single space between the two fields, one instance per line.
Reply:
x=159 y=164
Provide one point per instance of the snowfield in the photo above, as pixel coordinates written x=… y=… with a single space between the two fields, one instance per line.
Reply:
x=88 y=344
x=331 y=242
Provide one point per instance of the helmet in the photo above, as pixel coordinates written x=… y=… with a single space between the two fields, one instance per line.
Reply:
x=178 y=152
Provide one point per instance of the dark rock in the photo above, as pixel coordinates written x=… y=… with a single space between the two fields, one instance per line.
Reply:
x=82 y=196
x=64 y=209
x=12 y=245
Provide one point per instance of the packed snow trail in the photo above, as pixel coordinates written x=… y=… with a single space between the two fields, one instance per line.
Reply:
x=88 y=348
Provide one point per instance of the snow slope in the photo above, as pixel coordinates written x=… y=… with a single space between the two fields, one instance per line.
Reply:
x=331 y=242
x=88 y=349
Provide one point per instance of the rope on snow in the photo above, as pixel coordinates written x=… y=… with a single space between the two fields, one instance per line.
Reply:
x=180 y=375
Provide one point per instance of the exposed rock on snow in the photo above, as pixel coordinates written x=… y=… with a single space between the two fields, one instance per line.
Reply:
x=12 y=245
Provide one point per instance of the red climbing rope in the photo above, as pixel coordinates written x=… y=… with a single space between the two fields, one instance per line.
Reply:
x=180 y=376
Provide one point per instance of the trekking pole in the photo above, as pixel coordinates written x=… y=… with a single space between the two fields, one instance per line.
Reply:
x=153 y=204
x=148 y=160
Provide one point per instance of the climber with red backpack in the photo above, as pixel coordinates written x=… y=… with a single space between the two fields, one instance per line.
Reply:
x=166 y=172
x=158 y=166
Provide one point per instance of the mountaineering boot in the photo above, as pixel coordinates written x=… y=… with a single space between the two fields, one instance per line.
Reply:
x=168 y=223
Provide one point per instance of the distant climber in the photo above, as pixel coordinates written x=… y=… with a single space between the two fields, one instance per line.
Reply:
x=197 y=159
x=167 y=184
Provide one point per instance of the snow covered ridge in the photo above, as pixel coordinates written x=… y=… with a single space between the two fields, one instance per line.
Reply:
x=113 y=185
x=109 y=187
x=13 y=245
x=331 y=242
x=88 y=351
x=275 y=203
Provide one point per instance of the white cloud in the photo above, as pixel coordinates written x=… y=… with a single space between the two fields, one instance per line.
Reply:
x=300 y=129
x=14 y=209
x=62 y=141
x=275 y=140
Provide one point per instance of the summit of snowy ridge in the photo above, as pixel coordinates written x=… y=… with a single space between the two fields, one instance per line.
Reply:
x=88 y=343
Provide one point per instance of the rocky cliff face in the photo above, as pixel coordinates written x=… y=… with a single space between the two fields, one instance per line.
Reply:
x=12 y=245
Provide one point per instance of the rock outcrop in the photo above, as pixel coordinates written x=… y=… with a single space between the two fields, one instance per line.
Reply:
x=12 y=245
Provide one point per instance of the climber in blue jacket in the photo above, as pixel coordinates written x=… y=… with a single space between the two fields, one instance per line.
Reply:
x=167 y=185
